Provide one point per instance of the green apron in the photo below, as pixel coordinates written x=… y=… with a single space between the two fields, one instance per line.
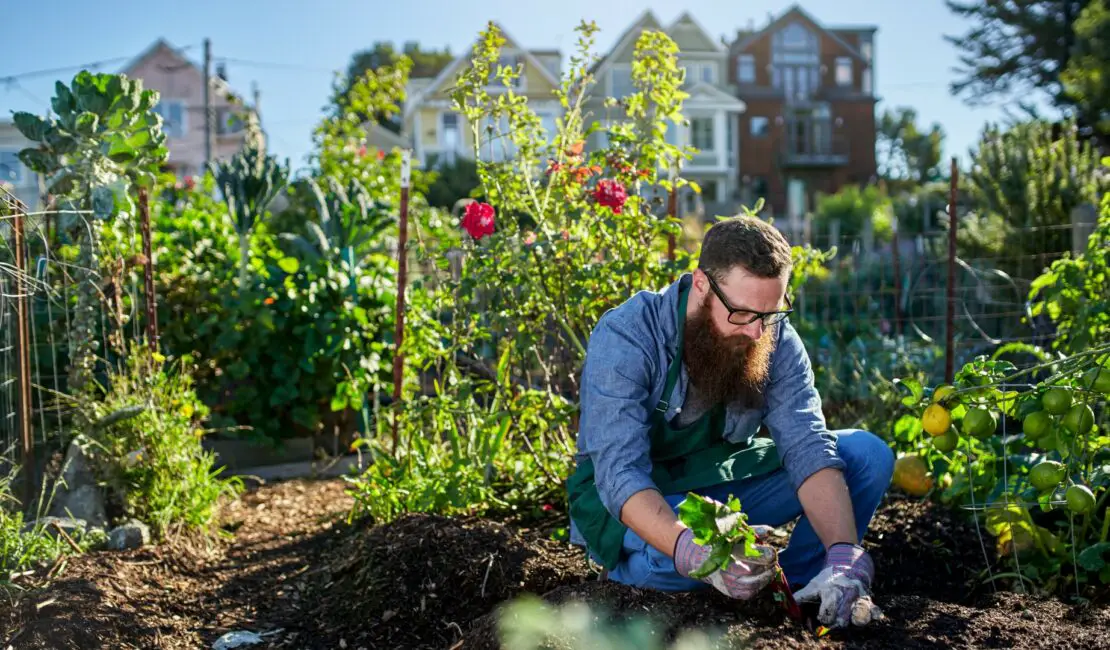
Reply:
x=683 y=459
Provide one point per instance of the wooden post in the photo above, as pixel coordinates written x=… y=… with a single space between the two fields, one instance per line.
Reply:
x=950 y=310
x=402 y=267
x=23 y=355
x=148 y=271
x=897 y=274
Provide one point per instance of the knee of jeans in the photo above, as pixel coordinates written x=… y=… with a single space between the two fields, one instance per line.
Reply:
x=867 y=455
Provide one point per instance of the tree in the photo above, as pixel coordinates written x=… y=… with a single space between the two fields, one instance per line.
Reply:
x=1087 y=77
x=1015 y=48
x=424 y=63
x=906 y=152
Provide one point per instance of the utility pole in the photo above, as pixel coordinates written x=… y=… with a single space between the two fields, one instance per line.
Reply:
x=207 y=102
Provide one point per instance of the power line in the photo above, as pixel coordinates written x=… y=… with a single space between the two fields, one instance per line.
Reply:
x=273 y=64
x=79 y=66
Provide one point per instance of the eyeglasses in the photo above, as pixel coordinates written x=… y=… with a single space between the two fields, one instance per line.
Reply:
x=746 y=316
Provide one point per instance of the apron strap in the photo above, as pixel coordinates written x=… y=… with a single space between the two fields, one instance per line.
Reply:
x=676 y=364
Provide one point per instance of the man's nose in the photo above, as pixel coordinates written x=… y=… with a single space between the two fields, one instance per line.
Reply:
x=753 y=330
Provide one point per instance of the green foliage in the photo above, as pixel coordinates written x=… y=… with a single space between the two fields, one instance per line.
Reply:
x=908 y=153
x=1037 y=529
x=249 y=182
x=720 y=526
x=1033 y=175
x=857 y=209
x=1014 y=48
x=142 y=433
x=104 y=138
x=1075 y=291
x=528 y=623
x=23 y=547
x=425 y=63
x=1086 y=78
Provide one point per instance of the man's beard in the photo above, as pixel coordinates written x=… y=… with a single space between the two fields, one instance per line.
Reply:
x=727 y=369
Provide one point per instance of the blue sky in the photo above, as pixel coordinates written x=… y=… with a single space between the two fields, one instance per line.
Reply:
x=290 y=48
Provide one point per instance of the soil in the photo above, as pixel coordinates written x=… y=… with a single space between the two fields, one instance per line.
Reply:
x=291 y=566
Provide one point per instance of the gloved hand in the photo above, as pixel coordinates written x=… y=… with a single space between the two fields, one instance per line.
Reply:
x=743 y=578
x=843 y=587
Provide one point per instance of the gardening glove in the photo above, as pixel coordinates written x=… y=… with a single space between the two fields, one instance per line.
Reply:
x=743 y=578
x=843 y=587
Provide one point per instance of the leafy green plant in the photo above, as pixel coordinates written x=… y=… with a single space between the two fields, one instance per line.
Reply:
x=142 y=433
x=721 y=526
x=249 y=182
x=1033 y=456
x=528 y=623
x=105 y=138
x=24 y=547
x=1075 y=291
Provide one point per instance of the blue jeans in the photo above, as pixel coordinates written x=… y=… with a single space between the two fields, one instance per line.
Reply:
x=770 y=500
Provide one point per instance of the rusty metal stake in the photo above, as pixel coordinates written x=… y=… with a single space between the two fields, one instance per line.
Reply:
x=148 y=271
x=402 y=272
x=23 y=355
x=950 y=310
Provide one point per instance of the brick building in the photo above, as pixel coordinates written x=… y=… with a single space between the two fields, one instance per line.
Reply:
x=810 y=121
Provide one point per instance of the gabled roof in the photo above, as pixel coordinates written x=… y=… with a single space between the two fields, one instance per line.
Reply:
x=796 y=11
x=448 y=72
x=686 y=16
x=646 y=20
x=162 y=45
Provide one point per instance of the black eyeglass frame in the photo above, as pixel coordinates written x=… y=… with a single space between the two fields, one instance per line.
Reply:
x=757 y=315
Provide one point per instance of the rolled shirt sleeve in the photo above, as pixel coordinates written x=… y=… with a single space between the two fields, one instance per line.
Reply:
x=616 y=411
x=792 y=412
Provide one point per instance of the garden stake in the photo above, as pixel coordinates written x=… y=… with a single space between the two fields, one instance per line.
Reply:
x=402 y=241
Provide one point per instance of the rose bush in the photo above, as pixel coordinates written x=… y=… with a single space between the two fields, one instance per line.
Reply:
x=496 y=335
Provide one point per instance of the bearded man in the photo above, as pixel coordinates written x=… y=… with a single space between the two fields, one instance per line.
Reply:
x=706 y=387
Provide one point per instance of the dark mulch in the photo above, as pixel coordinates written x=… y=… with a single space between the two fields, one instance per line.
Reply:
x=435 y=582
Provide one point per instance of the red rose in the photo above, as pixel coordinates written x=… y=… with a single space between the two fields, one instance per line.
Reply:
x=610 y=193
x=478 y=220
x=381 y=155
x=362 y=151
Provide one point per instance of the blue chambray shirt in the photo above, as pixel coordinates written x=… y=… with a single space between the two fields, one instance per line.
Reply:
x=627 y=358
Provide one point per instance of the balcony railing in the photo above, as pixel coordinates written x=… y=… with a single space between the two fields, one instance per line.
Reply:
x=813 y=149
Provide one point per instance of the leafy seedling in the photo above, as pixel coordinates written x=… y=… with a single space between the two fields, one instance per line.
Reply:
x=723 y=526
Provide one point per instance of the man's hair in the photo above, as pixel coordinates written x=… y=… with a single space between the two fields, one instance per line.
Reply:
x=745 y=241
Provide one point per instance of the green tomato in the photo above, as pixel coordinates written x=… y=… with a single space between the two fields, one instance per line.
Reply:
x=979 y=423
x=1080 y=499
x=1079 y=419
x=1047 y=475
x=1056 y=400
x=946 y=441
x=1037 y=424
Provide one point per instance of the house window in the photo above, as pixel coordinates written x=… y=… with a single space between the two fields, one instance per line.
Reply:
x=730 y=139
x=745 y=69
x=547 y=123
x=701 y=133
x=843 y=71
x=621 y=79
x=449 y=136
x=760 y=126
x=796 y=61
x=866 y=81
x=11 y=169
x=174 y=117
x=865 y=50
x=229 y=122
x=701 y=71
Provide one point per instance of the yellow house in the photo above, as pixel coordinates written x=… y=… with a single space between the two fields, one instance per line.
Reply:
x=440 y=134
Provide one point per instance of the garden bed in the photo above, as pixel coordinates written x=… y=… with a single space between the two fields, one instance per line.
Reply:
x=432 y=582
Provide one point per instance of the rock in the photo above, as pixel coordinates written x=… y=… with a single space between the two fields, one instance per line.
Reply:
x=78 y=495
x=72 y=526
x=133 y=534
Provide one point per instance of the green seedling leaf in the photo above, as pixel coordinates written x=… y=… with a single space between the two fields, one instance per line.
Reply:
x=1096 y=557
x=917 y=392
